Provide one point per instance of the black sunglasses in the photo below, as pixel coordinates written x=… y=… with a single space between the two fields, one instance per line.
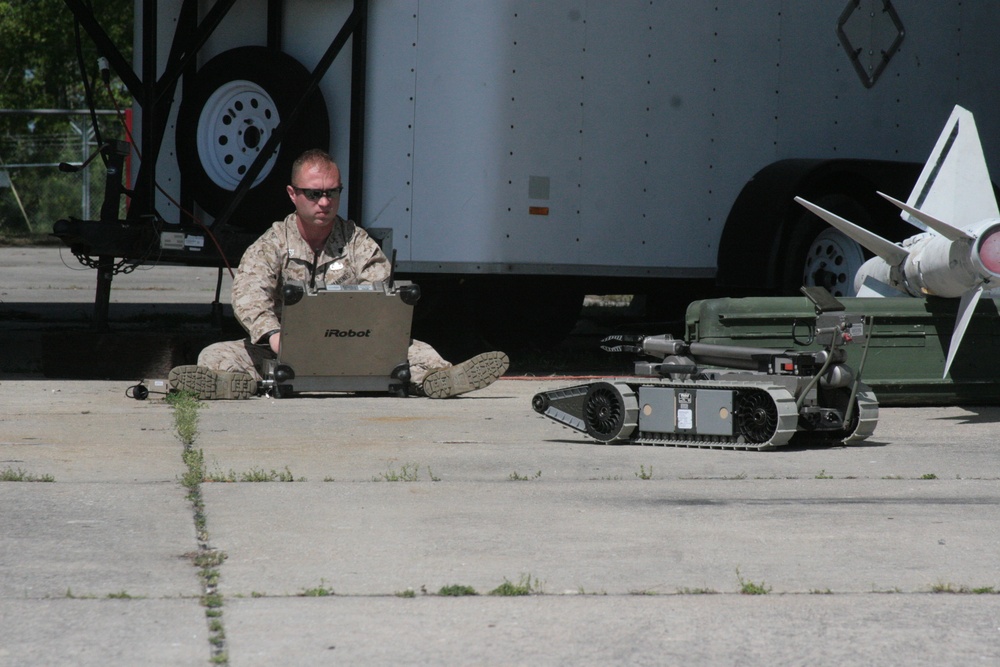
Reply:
x=315 y=195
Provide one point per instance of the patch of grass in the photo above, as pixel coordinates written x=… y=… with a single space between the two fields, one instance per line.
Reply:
x=822 y=475
x=643 y=473
x=750 y=587
x=928 y=475
x=697 y=591
x=408 y=472
x=8 y=474
x=211 y=601
x=524 y=587
x=186 y=406
x=120 y=595
x=943 y=587
x=207 y=560
x=408 y=593
x=515 y=477
x=253 y=475
x=320 y=591
x=210 y=558
x=457 y=590
x=194 y=459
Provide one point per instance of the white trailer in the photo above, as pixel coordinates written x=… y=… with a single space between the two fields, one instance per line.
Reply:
x=522 y=153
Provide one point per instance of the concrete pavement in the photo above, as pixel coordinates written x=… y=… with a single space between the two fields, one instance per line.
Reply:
x=96 y=568
x=881 y=553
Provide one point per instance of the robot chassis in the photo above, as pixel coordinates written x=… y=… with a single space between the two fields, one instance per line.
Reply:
x=728 y=397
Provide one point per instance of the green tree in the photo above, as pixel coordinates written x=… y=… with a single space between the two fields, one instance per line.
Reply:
x=40 y=69
x=38 y=61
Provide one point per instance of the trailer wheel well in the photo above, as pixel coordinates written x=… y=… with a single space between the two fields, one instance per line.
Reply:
x=766 y=243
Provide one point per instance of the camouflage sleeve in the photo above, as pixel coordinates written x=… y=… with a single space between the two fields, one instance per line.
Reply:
x=371 y=263
x=255 y=287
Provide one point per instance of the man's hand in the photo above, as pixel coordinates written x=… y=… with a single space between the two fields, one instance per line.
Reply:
x=275 y=342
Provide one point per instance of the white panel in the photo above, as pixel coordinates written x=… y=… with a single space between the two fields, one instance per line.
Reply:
x=308 y=29
x=389 y=118
x=643 y=119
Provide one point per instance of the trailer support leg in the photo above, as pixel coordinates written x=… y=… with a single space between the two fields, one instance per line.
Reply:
x=105 y=272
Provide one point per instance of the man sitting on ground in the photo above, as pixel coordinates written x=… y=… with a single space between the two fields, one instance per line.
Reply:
x=317 y=247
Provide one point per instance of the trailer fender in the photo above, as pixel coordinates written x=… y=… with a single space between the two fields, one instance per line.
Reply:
x=771 y=245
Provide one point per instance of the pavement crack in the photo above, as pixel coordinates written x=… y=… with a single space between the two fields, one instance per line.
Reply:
x=207 y=559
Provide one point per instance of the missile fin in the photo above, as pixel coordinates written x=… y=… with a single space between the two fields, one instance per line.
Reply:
x=887 y=250
x=955 y=182
x=939 y=226
x=966 y=308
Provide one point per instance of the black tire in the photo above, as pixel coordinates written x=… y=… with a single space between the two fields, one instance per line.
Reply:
x=236 y=100
x=820 y=255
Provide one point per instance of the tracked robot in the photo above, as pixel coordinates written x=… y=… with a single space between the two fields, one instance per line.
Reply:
x=729 y=397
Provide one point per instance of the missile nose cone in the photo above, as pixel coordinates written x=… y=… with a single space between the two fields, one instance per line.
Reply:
x=989 y=252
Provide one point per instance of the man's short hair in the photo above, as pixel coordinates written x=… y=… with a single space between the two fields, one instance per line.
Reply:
x=311 y=156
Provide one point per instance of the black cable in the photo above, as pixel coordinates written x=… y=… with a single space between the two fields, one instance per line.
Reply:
x=88 y=92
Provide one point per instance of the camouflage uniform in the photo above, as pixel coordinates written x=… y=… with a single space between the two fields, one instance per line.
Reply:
x=350 y=257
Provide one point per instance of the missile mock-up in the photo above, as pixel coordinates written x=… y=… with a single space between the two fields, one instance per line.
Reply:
x=957 y=252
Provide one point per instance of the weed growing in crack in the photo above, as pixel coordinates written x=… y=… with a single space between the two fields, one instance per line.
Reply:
x=515 y=477
x=750 y=587
x=943 y=587
x=457 y=590
x=207 y=559
x=317 y=592
x=186 y=406
x=643 y=473
x=408 y=472
x=253 y=475
x=524 y=587
x=8 y=474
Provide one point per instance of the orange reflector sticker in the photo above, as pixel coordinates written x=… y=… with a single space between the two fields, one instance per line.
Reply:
x=538 y=210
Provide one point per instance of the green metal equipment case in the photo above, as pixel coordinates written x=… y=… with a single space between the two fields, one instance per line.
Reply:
x=906 y=353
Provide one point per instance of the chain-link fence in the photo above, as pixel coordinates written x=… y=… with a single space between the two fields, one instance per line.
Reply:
x=34 y=192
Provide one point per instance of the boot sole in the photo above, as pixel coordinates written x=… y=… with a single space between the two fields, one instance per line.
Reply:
x=480 y=371
x=208 y=384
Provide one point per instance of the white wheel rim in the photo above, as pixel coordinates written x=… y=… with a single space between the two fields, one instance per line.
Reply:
x=832 y=261
x=235 y=123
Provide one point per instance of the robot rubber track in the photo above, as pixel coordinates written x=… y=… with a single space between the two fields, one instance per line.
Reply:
x=744 y=415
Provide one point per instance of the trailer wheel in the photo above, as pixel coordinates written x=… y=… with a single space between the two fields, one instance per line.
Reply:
x=831 y=261
x=234 y=105
x=822 y=256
